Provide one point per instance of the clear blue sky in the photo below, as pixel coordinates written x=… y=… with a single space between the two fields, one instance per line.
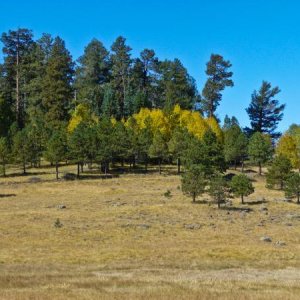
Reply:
x=260 y=37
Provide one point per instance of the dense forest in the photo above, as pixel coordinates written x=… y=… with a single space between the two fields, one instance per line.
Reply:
x=109 y=108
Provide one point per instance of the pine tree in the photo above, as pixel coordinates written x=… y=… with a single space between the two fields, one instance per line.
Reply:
x=104 y=144
x=17 y=45
x=56 y=149
x=235 y=145
x=57 y=90
x=193 y=182
x=279 y=171
x=6 y=103
x=4 y=154
x=260 y=149
x=219 y=77
x=36 y=69
x=92 y=73
x=264 y=111
x=178 y=144
x=176 y=86
x=78 y=146
x=159 y=148
x=21 y=149
x=292 y=186
x=218 y=189
x=110 y=105
x=241 y=186
x=121 y=66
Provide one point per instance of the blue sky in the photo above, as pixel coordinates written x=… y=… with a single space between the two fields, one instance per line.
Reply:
x=260 y=38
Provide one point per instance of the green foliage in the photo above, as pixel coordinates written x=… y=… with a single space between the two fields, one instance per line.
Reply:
x=218 y=79
x=91 y=75
x=21 y=149
x=159 y=148
x=260 y=149
x=235 y=144
x=241 y=186
x=56 y=148
x=57 y=90
x=4 y=153
x=121 y=66
x=193 y=182
x=218 y=189
x=264 y=111
x=279 y=171
x=292 y=186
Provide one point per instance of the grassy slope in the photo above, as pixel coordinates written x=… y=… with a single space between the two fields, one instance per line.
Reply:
x=122 y=238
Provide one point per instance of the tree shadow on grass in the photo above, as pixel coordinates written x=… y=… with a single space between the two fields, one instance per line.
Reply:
x=233 y=208
x=200 y=202
x=7 y=195
x=257 y=202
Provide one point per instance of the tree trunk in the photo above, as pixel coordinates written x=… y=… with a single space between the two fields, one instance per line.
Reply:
x=81 y=165
x=219 y=203
x=159 y=166
x=56 y=169
x=3 y=167
x=78 y=170
x=24 y=168
x=178 y=165
x=17 y=86
x=242 y=197
x=298 y=197
x=194 y=197
x=259 y=168
x=243 y=166
x=235 y=163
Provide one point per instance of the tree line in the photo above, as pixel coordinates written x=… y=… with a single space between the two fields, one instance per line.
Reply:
x=108 y=107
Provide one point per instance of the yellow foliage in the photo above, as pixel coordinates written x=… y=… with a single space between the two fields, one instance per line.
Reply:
x=215 y=127
x=82 y=113
x=287 y=146
x=167 y=122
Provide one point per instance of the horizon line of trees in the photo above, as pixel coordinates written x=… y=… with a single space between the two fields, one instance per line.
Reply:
x=39 y=81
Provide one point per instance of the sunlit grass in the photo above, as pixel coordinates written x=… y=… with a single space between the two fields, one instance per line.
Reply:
x=123 y=238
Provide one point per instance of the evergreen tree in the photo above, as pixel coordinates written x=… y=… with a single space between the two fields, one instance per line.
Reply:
x=193 y=182
x=208 y=154
x=78 y=146
x=4 y=154
x=57 y=90
x=17 y=44
x=121 y=66
x=110 y=105
x=56 y=149
x=279 y=171
x=21 y=149
x=260 y=149
x=92 y=73
x=176 y=86
x=235 y=145
x=218 y=189
x=178 y=144
x=121 y=142
x=6 y=103
x=219 y=77
x=104 y=144
x=241 y=186
x=36 y=69
x=292 y=186
x=159 y=148
x=143 y=143
x=264 y=111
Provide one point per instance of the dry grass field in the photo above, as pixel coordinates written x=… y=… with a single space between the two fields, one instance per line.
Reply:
x=122 y=238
